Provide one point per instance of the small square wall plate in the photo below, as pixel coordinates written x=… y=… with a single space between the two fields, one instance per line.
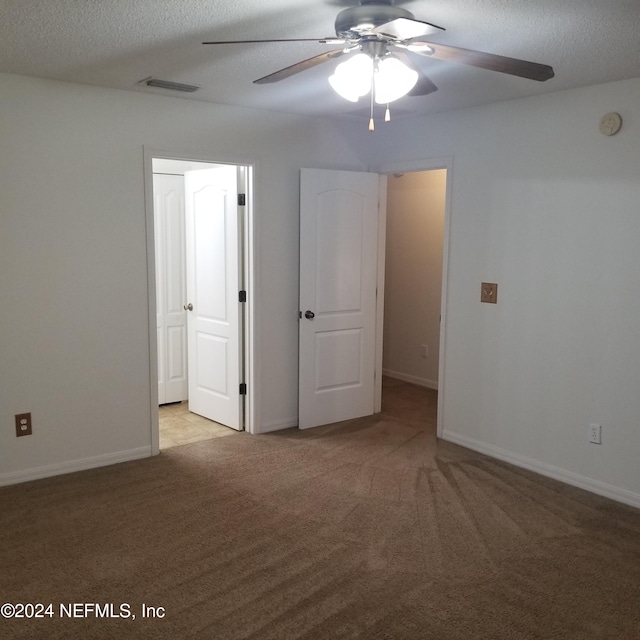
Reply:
x=489 y=292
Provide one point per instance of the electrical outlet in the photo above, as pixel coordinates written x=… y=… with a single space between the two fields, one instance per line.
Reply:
x=424 y=351
x=23 y=424
x=489 y=292
x=595 y=433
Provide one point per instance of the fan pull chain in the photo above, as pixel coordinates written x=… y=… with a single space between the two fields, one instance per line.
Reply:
x=371 y=125
x=387 y=114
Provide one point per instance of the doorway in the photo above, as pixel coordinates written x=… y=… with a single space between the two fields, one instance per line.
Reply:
x=413 y=276
x=202 y=352
x=415 y=350
x=415 y=281
x=429 y=180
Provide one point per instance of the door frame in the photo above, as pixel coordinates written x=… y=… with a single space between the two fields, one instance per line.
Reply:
x=425 y=164
x=250 y=280
x=382 y=243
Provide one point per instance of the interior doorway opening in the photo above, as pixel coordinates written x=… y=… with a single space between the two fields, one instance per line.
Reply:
x=342 y=251
x=200 y=215
x=414 y=266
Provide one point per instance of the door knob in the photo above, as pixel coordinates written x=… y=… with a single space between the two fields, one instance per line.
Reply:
x=188 y=307
x=309 y=315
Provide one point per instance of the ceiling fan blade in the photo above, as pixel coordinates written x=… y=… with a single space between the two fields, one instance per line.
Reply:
x=423 y=87
x=301 y=66
x=406 y=28
x=331 y=40
x=493 y=62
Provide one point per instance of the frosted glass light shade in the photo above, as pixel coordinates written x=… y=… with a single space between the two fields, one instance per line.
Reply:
x=352 y=79
x=392 y=80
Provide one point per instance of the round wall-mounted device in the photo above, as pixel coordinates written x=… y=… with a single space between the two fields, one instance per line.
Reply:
x=610 y=123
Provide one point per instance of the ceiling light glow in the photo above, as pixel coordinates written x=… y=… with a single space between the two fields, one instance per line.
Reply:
x=391 y=79
x=352 y=79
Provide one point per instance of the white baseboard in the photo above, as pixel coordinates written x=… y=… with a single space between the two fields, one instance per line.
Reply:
x=74 y=465
x=405 y=377
x=568 y=477
x=278 y=425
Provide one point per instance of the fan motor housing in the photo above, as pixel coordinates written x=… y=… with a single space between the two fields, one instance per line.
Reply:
x=355 y=21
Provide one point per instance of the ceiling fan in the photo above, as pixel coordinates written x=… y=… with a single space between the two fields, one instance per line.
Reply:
x=382 y=32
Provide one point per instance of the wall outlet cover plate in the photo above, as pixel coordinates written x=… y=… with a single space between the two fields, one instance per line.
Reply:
x=23 y=424
x=489 y=292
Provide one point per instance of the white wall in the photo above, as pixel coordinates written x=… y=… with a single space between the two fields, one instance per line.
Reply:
x=413 y=275
x=549 y=208
x=74 y=332
x=542 y=203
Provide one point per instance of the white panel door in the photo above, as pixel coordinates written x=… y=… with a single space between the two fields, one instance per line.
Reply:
x=338 y=277
x=213 y=283
x=168 y=207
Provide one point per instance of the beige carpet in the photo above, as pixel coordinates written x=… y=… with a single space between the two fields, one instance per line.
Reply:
x=370 y=529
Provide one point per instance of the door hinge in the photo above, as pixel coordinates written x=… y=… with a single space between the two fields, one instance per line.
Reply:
x=242 y=296
x=242 y=199
x=243 y=389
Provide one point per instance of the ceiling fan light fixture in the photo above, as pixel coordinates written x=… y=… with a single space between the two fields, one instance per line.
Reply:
x=352 y=79
x=343 y=89
x=392 y=80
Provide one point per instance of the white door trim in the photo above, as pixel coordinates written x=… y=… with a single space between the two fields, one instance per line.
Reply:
x=428 y=165
x=251 y=284
x=382 y=244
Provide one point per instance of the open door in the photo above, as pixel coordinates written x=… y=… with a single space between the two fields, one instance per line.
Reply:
x=339 y=213
x=214 y=320
x=168 y=207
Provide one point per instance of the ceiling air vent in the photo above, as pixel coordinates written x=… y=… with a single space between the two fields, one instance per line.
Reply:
x=167 y=84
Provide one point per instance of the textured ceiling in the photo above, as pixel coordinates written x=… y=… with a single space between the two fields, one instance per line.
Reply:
x=117 y=43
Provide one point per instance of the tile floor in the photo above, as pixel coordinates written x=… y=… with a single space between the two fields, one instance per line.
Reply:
x=179 y=426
